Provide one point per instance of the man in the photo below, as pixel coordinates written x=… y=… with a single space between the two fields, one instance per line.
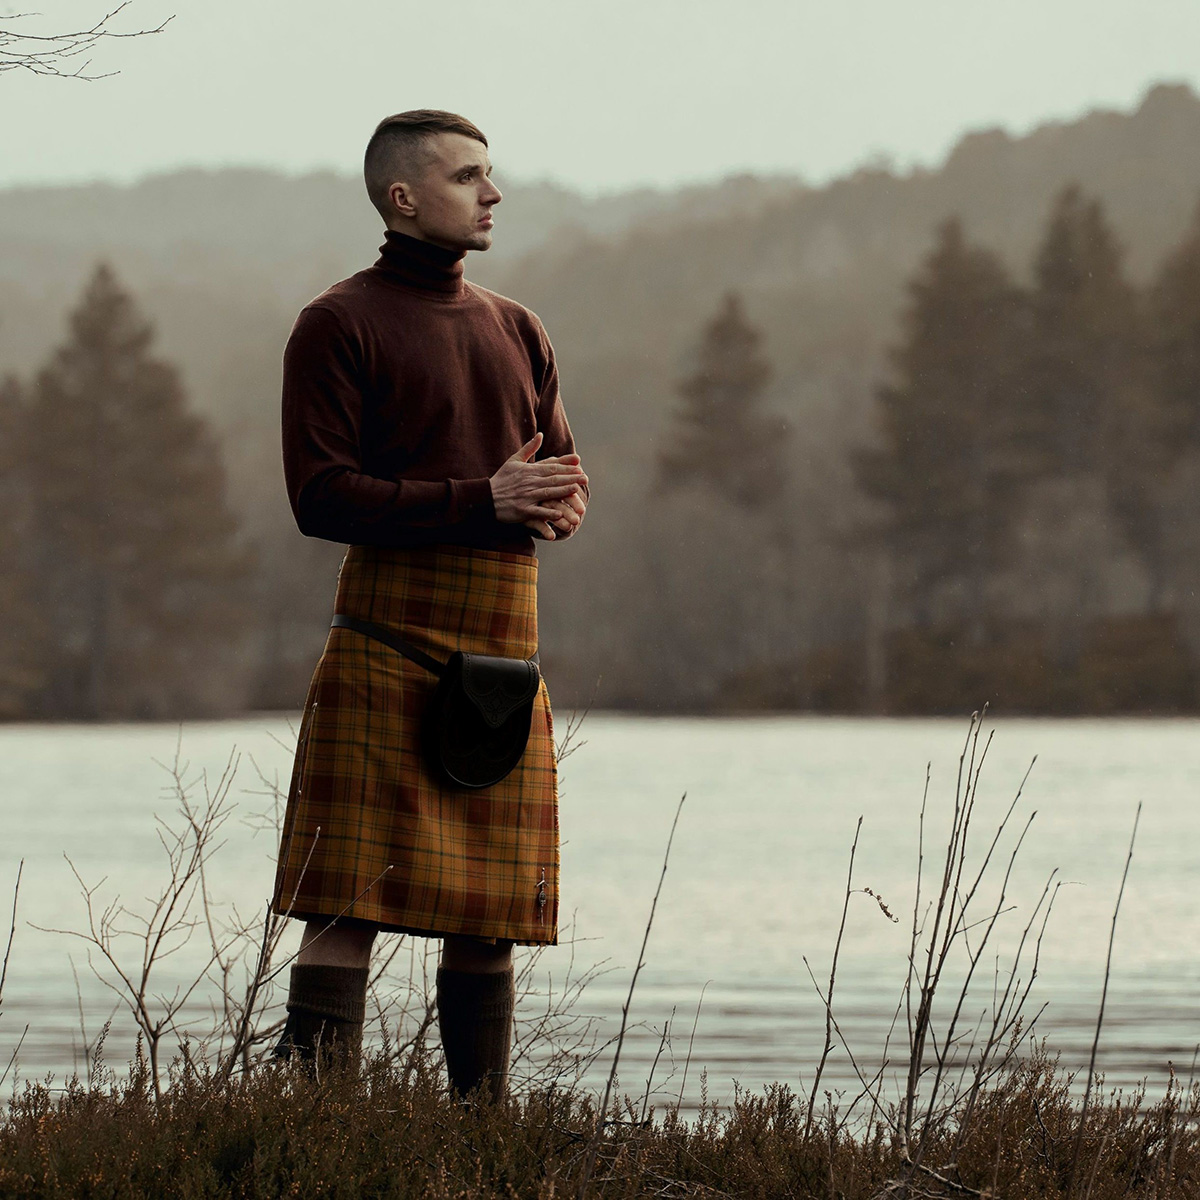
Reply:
x=422 y=426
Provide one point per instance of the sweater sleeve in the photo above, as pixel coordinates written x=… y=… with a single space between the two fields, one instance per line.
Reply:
x=331 y=497
x=557 y=439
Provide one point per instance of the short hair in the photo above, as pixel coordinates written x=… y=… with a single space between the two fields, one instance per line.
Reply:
x=399 y=147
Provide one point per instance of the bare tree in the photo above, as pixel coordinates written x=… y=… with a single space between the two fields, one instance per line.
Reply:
x=22 y=49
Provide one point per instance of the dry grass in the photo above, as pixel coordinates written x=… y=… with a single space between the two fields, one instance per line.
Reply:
x=389 y=1133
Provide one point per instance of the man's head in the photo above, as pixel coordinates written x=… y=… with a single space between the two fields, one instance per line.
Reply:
x=428 y=174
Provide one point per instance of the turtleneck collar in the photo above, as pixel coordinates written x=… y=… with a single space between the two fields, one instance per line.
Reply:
x=421 y=265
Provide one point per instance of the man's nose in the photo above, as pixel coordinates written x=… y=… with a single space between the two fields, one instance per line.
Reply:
x=494 y=196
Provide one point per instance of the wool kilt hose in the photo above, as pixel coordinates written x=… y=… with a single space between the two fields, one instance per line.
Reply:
x=371 y=833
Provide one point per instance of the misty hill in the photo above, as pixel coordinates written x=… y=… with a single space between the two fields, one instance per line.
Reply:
x=251 y=237
x=222 y=260
x=823 y=269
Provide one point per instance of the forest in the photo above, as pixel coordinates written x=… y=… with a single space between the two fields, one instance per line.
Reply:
x=898 y=444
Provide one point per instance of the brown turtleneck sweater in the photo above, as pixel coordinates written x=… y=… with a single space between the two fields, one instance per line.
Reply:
x=404 y=390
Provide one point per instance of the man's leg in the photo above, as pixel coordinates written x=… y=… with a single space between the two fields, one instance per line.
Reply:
x=475 y=1001
x=328 y=993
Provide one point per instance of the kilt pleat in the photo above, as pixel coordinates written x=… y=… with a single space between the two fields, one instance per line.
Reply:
x=370 y=833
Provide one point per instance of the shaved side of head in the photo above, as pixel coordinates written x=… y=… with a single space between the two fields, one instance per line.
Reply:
x=399 y=150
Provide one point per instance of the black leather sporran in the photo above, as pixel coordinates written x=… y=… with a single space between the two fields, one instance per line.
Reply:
x=476 y=726
x=478 y=720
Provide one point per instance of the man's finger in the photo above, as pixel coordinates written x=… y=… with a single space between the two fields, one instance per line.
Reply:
x=547 y=466
x=543 y=512
x=575 y=475
x=542 y=529
x=556 y=491
x=569 y=517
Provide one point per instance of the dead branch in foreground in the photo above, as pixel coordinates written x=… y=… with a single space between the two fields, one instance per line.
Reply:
x=58 y=54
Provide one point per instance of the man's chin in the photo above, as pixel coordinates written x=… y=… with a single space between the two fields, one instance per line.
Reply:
x=477 y=239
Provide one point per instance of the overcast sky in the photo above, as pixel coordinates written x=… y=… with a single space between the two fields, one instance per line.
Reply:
x=600 y=94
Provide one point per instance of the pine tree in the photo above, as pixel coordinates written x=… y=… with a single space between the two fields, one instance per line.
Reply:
x=718 y=548
x=1174 y=319
x=1168 y=495
x=138 y=563
x=23 y=631
x=953 y=444
x=721 y=436
x=1093 y=428
x=1085 y=337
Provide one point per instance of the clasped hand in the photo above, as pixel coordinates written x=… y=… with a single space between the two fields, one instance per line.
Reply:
x=546 y=496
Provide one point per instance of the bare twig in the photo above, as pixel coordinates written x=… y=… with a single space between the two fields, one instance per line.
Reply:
x=49 y=53
x=12 y=1058
x=171 y=919
x=1112 y=935
x=12 y=928
x=866 y=1084
x=569 y=744
x=687 y=1062
x=662 y=1045
x=598 y=1133
x=837 y=948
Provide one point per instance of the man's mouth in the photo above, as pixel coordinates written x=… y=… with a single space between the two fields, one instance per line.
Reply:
x=487 y=221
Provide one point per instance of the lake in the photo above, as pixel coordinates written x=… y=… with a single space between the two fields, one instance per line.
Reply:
x=755 y=883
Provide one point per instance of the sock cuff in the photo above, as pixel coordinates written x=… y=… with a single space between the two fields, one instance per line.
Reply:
x=329 y=991
x=483 y=991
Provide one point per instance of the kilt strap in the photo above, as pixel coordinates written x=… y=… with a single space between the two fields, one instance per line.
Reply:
x=388 y=638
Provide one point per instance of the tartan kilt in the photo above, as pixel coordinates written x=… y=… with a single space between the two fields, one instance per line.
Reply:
x=370 y=832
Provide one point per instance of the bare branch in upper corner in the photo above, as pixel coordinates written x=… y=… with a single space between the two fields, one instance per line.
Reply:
x=60 y=54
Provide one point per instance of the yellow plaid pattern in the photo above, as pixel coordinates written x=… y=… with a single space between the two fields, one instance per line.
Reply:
x=370 y=833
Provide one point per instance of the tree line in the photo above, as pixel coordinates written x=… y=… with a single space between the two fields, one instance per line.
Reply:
x=1036 y=476
x=1029 y=509
x=1022 y=528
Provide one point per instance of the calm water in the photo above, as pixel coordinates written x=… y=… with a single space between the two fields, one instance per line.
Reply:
x=754 y=887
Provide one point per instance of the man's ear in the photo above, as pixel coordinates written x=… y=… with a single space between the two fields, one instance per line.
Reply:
x=400 y=194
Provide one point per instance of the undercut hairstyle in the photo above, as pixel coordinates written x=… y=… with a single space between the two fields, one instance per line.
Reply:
x=399 y=149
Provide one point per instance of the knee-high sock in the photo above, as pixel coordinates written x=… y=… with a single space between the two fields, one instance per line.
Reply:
x=475 y=1015
x=326 y=1006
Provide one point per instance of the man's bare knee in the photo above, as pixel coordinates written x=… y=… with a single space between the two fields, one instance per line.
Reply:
x=335 y=945
x=470 y=954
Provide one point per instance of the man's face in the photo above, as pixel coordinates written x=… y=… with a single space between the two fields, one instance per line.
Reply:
x=454 y=196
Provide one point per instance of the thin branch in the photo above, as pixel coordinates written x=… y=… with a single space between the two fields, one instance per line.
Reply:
x=594 y=1144
x=46 y=53
x=687 y=1062
x=12 y=928
x=1112 y=935
x=837 y=949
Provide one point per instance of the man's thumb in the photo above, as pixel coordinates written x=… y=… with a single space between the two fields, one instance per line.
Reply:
x=530 y=448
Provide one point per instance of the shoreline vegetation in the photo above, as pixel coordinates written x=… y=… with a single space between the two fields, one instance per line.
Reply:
x=967 y=1100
